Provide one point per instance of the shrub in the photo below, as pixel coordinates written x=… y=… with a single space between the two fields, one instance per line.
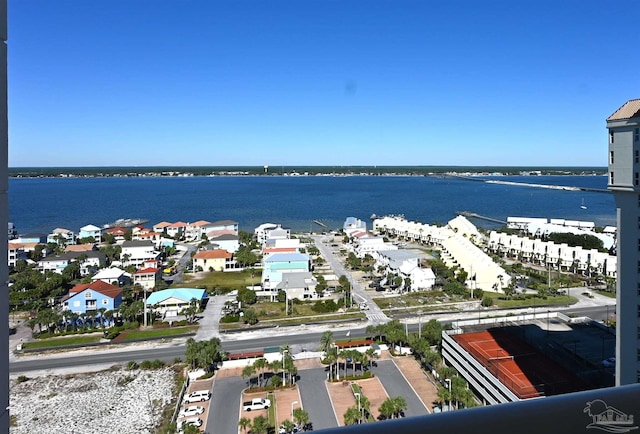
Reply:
x=230 y=318
x=487 y=301
x=22 y=379
x=152 y=364
x=132 y=364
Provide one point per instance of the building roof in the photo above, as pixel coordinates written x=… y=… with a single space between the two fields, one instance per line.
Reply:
x=87 y=247
x=199 y=223
x=110 y=273
x=148 y=270
x=162 y=225
x=630 y=109
x=100 y=286
x=185 y=294
x=224 y=223
x=287 y=257
x=137 y=243
x=213 y=254
x=177 y=225
x=224 y=237
x=61 y=231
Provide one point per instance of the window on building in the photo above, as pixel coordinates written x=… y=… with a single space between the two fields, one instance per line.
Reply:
x=637 y=155
x=611 y=178
x=87 y=294
x=610 y=136
x=611 y=159
x=105 y=301
x=636 y=135
x=636 y=178
x=638 y=288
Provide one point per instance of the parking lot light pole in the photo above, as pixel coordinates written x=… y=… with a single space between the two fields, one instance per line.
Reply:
x=448 y=381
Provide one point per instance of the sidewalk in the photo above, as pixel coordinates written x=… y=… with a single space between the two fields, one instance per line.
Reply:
x=418 y=380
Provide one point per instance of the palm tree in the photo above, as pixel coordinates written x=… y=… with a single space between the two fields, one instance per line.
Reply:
x=351 y=416
x=301 y=417
x=288 y=426
x=260 y=425
x=399 y=405
x=327 y=346
x=244 y=423
x=247 y=372
x=259 y=365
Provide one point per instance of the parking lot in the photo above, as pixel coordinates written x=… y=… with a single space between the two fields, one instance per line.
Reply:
x=325 y=402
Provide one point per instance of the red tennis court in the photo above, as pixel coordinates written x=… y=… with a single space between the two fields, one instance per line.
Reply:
x=519 y=366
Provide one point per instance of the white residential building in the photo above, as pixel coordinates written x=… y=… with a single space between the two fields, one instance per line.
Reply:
x=136 y=253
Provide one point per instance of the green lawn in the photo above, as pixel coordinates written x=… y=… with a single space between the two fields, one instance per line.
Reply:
x=156 y=333
x=534 y=301
x=227 y=281
x=60 y=342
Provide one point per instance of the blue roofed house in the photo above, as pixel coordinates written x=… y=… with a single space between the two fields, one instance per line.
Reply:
x=170 y=302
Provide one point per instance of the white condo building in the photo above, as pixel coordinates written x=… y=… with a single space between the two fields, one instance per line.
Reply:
x=624 y=182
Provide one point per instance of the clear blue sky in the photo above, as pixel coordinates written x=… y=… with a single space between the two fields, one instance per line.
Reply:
x=311 y=82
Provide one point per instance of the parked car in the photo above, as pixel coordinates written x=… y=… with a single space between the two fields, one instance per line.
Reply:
x=256 y=404
x=191 y=411
x=195 y=421
x=197 y=396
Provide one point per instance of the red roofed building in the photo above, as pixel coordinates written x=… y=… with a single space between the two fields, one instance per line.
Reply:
x=213 y=260
x=147 y=278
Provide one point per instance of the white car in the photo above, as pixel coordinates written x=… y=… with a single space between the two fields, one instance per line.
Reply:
x=197 y=396
x=195 y=421
x=191 y=411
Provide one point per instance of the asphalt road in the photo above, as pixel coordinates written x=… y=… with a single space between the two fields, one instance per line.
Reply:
x=225 y=402
x=309 y=340
x=315 y=398
x=396 y=385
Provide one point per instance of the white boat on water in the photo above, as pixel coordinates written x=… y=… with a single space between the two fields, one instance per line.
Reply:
x=583 y=206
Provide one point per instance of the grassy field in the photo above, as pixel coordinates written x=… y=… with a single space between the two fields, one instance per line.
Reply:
x=155 y=333
x=61 y=342
x=534 y=301
x=224 y=281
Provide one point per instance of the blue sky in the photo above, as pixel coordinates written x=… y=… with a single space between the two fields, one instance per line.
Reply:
x=310 y=82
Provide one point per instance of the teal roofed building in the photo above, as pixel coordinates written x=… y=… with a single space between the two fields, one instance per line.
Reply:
x=170 y=302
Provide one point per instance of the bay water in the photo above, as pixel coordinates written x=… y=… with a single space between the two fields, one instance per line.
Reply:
x=39 y=205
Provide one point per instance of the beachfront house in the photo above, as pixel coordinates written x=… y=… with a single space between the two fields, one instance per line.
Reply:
x=223 y=226
x=61 y=236
x=271 y=231
x=353 y=223
x=195 y=230
x=176 y=229
x=213 y=260
x=136 y=253
x=91 y=231
x=89 y=297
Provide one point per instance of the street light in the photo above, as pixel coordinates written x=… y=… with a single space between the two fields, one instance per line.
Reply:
x=292 y=404
x=357 y=395
x=419 y=324
x=448 y=381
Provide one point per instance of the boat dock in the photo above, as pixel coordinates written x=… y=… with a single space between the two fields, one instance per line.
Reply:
x=319 y=223
x=478 y=216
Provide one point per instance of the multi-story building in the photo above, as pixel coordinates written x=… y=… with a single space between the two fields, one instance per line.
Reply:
x=624 y=182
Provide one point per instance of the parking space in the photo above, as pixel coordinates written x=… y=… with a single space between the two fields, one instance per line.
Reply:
x=196 y=412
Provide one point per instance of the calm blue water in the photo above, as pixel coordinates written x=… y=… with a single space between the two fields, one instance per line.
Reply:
x=40 y=205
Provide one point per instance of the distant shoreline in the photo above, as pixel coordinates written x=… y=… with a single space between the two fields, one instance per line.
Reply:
x=295 y=171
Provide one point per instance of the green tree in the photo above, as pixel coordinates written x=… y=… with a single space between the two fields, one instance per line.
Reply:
x=247 y=296
x=432 y=332
x=351 y=416
x=247 y=372
x=244 y=423
x=260 y=425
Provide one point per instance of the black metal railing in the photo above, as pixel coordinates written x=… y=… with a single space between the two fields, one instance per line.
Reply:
x=615 y=409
